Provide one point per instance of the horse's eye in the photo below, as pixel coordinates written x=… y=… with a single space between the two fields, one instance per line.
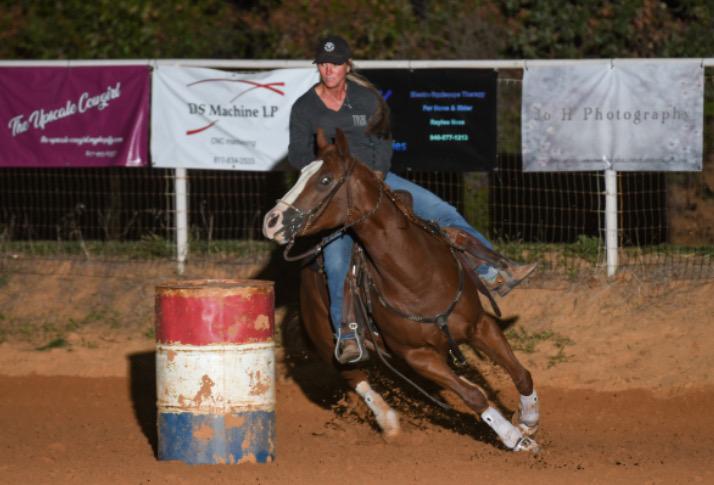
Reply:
x=325 y=180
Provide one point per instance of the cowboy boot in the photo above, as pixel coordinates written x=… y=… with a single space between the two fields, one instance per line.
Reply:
x=502 y=281
x=504 y=274
x=349 y=348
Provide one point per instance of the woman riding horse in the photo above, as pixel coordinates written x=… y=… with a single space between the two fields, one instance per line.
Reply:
x=342 y=99
x=406 y=304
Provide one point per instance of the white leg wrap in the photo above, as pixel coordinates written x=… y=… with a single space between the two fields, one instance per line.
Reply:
x=509 y=434
x=529 y=409
x=387 y=418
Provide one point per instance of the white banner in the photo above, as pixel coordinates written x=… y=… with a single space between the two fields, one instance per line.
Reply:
x=205 y=118
x=625 y=115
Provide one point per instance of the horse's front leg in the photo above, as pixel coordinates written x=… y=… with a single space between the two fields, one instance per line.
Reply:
x=387 y=418
x=315 y=316
x=488 y=337
x=431 y=364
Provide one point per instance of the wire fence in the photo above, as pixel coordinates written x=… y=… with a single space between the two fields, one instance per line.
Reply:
x=666 y=221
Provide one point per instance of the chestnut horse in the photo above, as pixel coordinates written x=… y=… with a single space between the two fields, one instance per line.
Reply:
x=412 y=272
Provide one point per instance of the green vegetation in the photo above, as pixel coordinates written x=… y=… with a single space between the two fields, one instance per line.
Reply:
x=55 y=331
x=56 y=343
x=120 y=29
x=401 y=29
x=147 y=248
x=587 y=248
x=573 y=260
x=586 y=252
x=524 y=341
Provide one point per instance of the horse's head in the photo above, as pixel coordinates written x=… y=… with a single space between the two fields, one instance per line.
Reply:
x=316 y=202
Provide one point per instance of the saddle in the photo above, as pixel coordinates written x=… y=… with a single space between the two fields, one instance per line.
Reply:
x=471 y=252
x=357 y=306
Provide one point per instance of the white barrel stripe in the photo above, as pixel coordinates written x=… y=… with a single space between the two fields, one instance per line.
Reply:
x=215 y=379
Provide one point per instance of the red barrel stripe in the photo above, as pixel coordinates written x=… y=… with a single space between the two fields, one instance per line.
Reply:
x=195 y=316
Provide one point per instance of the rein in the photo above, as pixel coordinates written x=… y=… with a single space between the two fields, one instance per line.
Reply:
x=440 y=319
x=313 y=213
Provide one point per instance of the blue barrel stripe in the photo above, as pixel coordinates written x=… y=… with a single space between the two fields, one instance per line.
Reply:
x=246 y=437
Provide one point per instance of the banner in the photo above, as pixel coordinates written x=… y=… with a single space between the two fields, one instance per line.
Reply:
x=210 y=119
x=625 y=115
x=74 y=116
x=442 y=119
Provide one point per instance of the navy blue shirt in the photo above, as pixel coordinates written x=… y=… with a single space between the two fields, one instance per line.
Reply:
x=309 y=113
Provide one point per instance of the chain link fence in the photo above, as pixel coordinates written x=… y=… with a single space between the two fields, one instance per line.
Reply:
x=666 y=220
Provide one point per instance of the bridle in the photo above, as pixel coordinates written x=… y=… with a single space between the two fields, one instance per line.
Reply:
x=304 y=218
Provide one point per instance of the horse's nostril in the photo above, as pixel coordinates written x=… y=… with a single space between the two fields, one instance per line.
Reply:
x=273 y=220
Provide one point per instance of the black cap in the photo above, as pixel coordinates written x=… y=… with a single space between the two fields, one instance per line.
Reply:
x=333 y=49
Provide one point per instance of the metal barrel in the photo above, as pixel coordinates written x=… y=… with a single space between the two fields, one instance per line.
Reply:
x=215 y=371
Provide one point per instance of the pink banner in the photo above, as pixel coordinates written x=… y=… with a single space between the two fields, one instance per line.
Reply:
x=74 y=116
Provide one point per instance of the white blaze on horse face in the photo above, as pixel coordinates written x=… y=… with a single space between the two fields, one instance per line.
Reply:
x=273 y=220
x=305 y=174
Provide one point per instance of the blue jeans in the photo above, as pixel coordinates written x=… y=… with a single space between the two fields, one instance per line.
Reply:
x=426 y=205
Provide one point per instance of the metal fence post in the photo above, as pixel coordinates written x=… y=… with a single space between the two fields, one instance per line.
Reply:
x=611 y=221
x=181 y=194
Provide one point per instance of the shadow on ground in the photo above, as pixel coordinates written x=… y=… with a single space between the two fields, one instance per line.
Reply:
x=142 y=388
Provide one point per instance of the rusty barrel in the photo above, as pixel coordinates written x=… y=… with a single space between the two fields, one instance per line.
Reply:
x=215 y=371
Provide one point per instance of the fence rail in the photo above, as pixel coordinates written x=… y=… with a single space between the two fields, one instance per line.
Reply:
x=665 y=220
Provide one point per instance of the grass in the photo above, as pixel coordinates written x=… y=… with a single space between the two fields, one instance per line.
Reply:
x=586 y=249
x=148 y=248
x=55 y=332
x=573 y=259
x=586 y=256
x=524 y=341
x=56 y=343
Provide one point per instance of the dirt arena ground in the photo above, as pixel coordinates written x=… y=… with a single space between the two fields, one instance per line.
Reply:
x=625 y=371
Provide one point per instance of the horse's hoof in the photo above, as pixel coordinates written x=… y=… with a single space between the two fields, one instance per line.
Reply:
x=389 y=424
x=527 y=444
x=528 y=430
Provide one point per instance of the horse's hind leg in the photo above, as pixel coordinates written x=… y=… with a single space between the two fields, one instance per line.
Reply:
x=315 y=316
x=488 y=337
x=430 y=364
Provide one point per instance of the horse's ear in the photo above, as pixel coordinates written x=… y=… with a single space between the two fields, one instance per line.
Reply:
x=341 y=141
x=321 y=140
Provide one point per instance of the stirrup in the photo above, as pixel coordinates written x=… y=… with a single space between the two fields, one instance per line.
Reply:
x=353 y=350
